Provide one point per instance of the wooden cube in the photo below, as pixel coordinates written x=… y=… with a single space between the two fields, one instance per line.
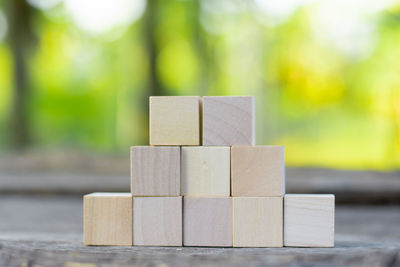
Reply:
x=107 y=219
x=155 y=171
x=257 y=222
x=157 y=221
x=175 y=120
x=206 y=171
x=258 y=171
x=228 y=120
x=309 y=220
x=207 y=221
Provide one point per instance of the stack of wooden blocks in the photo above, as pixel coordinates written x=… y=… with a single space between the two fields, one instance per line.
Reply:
x=203 y=182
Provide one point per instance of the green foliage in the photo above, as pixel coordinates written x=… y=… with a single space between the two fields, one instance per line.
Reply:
x=326 y=106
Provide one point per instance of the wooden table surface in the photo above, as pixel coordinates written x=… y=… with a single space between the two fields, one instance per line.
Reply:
x=47 y=231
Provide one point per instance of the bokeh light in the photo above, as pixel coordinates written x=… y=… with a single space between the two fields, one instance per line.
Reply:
x=324 y=73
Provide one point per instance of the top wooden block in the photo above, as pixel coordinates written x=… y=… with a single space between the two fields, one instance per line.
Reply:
x=174 y=120
x=228 y=120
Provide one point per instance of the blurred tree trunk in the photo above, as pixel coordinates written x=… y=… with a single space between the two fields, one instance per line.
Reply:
x=154 y=85
x=150 y=33
x=20 y=37
x=202 y=50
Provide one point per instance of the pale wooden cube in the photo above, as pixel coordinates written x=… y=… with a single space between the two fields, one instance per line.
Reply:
x=175 y=120
x=206 y=171
x=155 y=171
x=258 y=171
x=228 y=120
x=257 y=222
x=157 y=221
x=309 y=220
x=207 y=221
x=107 y=219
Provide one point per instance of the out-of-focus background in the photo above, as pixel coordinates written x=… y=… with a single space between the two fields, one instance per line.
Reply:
x=75 y=77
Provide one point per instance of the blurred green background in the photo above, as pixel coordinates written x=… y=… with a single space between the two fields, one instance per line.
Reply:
x=325 y=74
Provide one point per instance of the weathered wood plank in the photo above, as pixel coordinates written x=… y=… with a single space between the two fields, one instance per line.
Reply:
x=49 y=233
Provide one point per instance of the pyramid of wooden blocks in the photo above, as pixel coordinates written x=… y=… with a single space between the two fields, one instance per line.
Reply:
x=204 y=182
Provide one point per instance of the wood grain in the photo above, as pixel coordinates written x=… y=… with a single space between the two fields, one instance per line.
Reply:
x=309 y=220
x=258 y=171
x=155 y=171
x=157 y=221
x=228 y=120
x=205 y=171
x=107 y=219
x=207 y=221
x=257 y=222
x=175 y=120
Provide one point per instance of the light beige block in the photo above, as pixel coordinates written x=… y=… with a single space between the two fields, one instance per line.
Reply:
x=205 y=171
x=107 y=219
x=157 y=221
x=175 y=120
x=309 y=220
x=155 y=171
x=257 y=171
x=228 y=120
x=257 y=222
x=207 y=221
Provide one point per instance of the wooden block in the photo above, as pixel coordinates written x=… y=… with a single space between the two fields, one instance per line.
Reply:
x=228 y=120
x=258 y=171
x=309 y=220
x=205 y=171
x=257 y=222
x=107 y=219
x=157 y=221
x=175 y=120
x=155 y=171
x=207 y=221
